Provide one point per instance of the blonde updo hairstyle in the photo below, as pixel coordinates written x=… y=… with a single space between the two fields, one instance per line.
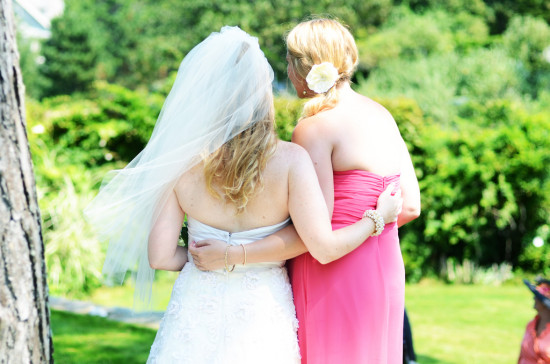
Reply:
x=322 y=40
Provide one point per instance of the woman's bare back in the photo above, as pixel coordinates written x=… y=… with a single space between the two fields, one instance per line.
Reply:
x=362 y=133
x=268 y=206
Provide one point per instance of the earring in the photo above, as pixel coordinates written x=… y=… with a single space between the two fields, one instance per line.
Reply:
x=305 y=92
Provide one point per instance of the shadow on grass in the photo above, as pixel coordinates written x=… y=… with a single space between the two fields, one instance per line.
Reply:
x=424 y=359
x=88 y=339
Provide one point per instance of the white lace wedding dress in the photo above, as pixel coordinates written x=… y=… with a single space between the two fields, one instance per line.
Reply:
x=245 y=316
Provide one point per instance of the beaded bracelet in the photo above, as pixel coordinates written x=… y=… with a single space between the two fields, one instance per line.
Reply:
x=226 y=265
x=377 y=219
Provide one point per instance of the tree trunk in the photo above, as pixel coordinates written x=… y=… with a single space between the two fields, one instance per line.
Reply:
x=25 y=335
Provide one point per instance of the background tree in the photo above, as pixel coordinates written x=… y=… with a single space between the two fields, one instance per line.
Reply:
x=24 y=325
x=471 y=99
x=70 y=60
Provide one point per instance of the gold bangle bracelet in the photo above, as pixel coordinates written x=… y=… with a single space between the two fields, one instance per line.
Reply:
x=244 y=250
x=226 y=265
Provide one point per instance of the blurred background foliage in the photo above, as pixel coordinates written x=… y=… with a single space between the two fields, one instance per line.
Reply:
x=468 y=83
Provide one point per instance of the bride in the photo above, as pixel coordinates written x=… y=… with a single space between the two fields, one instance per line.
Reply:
x=215 y=158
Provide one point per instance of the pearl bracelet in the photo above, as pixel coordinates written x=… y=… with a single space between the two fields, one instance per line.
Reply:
x=377 y=219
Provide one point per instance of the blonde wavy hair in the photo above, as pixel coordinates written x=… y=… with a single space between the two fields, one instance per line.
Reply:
x=322 y=40
x=234 y=171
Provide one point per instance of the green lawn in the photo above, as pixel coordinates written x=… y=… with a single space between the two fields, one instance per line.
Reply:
x=452 y=324
x=87 y=339
x=123 y=296
x=468 y=324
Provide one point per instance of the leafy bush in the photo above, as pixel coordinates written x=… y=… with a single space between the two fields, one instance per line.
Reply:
x=434 y=91
x=111 y=124
x=528 y=40
x=504 y=10
x=442 y=83
x=74 y=141
x=482 y=174
x=73 y=255
x=483 y=181
x=410 y=36
x=287 y=112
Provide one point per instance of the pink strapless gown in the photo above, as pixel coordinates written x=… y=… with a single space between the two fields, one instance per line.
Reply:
x=351 y=310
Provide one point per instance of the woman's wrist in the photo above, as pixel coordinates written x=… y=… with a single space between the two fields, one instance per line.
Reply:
x=235 y=255
x=378 y=220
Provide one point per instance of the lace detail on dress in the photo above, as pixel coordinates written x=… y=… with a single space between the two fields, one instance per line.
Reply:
x=246 y=316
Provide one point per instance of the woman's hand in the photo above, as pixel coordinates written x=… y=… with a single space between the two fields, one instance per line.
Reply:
x=388 y=205
x=208 y=254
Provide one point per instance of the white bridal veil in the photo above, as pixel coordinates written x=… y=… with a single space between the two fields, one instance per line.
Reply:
x=223 y=86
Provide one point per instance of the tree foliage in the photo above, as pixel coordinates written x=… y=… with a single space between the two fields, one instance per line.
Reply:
x=484 y=182
x=466 y=81
x=139 y=43
x=70 y=59
x=528 y=40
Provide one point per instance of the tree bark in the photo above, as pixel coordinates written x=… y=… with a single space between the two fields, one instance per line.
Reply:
x=25 y=335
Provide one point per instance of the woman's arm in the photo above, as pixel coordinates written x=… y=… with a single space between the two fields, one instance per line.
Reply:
x=210 y=254
x=311 y=219
x=284 y=244
x=316 y=139
x=409 y=189
x=163 y=250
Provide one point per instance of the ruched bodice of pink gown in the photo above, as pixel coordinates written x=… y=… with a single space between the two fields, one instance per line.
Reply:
x=351 y=310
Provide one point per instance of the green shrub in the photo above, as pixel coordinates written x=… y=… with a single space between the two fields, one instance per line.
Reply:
x=111 y=124
x=74 y=141
x=528 y=40
x=410 y=36
x=484 y=182
x=287 y=113
x=73 y=255
x=430 y=81
x=442 y=83
x=483 y=175
x=136 y=43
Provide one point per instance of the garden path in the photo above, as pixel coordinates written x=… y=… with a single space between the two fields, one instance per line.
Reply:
x=147 y=318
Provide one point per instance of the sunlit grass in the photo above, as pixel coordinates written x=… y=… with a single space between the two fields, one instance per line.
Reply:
x=123 y=296
x=452 y=324
x=459 y=324
x=88 y=339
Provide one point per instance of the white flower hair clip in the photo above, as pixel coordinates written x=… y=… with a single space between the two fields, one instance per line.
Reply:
x=322 y=77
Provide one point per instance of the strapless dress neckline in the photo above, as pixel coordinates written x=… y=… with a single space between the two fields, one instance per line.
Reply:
x=200 y=231
x=199 y=225
x=367 y=173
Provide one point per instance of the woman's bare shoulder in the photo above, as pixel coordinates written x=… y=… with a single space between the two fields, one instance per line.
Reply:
x=290 y=150
x=319 y=127
x=375 y=108
x=292 y=154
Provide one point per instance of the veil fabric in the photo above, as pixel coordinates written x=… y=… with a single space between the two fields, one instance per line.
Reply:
x=223 y=86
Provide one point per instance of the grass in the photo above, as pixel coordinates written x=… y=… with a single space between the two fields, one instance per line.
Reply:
x=457 y=324
x=88 y=339
x=123 y=296
x=452 y=324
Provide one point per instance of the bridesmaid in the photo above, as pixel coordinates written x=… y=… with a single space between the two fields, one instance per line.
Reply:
x=350 y=310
